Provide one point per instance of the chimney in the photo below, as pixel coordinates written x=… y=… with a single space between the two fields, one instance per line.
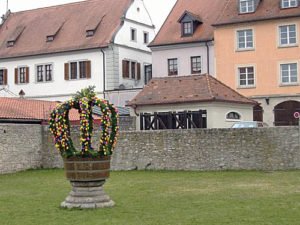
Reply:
x=21 y=94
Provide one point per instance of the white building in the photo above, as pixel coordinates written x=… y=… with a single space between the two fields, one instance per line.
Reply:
x=187 y=102
x=185 y=45
x=50 y=53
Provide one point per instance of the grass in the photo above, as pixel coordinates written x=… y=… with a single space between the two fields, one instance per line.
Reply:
x=154 y=198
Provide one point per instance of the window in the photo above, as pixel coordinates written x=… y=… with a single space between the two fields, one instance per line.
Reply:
x=131 y=69
x=289 y=73
x=148 y=73
x=22 y=75
x=233 y=116
x=245 y=39
x=172 y=67
x=44 y=73
x=3 y=76
x=287 y=35
x=89 y=33
x=187 y=28
x=247 y=6
x=196 y=64
x=246 y=76
x=146 y=37
x=289 y=3
x=78 y=70
x=133 y=34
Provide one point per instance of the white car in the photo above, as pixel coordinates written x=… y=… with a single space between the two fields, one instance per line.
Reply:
x=249 y=124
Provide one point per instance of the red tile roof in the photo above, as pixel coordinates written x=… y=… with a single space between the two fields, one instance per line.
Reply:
x=27 y=109
x=207 y=10
x=68 y=22
x=266 y=10
x=187 y=89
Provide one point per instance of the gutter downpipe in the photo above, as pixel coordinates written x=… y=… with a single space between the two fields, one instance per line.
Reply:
x=104 y=73
x=207 y=55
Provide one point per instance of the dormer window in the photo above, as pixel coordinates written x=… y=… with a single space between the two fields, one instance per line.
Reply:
x=54 y=30
x=187 y=28
x=10 y=44
x=90 y=33
x=247 y=6
x=189 y=23
x=15 y=35
x=50 y=38
x=289 y=3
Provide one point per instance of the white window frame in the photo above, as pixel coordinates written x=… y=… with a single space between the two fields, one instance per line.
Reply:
x=245 y=48
x=19 y=74
x=201 y=64
x=44 y=73
x=288 y=37
x=2 y=75
x=135 y=34
x=78 y=69
x=281 y=83
x=130 y=69
x=247 y=85
x=249 y=6
x=289 y=4
x=233 y=120
x=147 y=34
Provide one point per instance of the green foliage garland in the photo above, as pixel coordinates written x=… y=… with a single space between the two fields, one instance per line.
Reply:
x=83 y=102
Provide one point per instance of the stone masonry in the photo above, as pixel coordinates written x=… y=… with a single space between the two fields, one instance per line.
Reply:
x=31 y=146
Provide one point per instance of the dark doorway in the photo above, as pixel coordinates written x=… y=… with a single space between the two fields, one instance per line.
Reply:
x=284 y=113
x=258 y=113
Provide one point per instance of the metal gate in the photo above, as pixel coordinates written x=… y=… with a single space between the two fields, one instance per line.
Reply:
x=173 y=120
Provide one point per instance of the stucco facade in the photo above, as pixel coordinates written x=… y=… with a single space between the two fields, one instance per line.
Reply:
x=105 y=62
x=266 y=58
x=183 y=53
x=216 y=112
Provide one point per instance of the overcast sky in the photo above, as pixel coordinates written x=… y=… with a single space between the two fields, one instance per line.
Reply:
x=158 y=9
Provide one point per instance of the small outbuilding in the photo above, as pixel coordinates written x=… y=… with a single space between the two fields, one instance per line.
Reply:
x=184 y=102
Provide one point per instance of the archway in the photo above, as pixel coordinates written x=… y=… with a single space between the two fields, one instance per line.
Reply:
x=284 y=113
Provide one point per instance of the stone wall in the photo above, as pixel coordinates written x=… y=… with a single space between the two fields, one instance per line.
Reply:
x=20 y=147
x=31 y=146
x=209 y=149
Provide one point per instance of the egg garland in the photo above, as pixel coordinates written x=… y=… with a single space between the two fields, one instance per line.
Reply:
x=59 y=125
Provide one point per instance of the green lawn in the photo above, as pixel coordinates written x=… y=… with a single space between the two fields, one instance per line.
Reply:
x=144 y=198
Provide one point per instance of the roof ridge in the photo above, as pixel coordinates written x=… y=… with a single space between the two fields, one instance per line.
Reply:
x=209 y=85
x=223 y=11
x=53 y=6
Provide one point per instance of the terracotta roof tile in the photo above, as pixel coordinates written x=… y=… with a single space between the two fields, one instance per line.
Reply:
x=183 y=89
x=207 y=10
x=71 y=20
x=27 y=109
x=267 y=9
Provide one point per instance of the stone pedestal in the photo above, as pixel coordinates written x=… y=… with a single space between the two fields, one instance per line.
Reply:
x=87 y=176
x=87 y=195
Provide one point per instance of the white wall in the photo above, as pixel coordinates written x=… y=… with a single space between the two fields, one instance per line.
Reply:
x=216 y=112
x=139 y=20
x=59 y=88
x=141 y=57
x=183 y=52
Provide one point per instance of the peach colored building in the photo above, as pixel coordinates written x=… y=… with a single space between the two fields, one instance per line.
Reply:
x=257 y=53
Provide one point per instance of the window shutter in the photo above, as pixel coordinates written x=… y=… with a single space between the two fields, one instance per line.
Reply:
x=125 y=69
x=5 y=76
x=27 y=75
x=67 y=71
x=16 y=76
x=88 y=69
x=138 y=71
